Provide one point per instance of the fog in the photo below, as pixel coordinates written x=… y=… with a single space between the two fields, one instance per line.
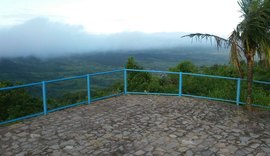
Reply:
x=43 y=38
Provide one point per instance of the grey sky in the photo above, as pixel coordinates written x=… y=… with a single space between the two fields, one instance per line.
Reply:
x=56 y=27
x=112 y=16
x=44 y=38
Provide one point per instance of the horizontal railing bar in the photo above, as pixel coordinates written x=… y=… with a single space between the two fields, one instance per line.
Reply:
x=242 y=103
x=211 y=76
x=106 y=72
x=149 y=93
x=256 y=105
x=21 y=118
x=262 y=106
x=257 y=81
x=21 y=86
x=68 y=106
x=57 y=80
x=209 y=98
x=262 y=82
x=66 y=79
x=106 y=97
x=152 y=71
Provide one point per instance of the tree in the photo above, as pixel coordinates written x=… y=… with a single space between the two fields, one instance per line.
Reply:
x=138 y=81
x=17 y=103
x=185 y=66
x=250 y=38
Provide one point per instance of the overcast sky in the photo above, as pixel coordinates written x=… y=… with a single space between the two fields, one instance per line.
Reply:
x=111 y=16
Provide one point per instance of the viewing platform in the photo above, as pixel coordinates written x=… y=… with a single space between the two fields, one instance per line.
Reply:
x=141 y=125
x=124 y=122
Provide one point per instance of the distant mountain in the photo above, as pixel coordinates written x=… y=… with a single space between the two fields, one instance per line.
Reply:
x=40 y=50
x=33 y=69
x=42 y=38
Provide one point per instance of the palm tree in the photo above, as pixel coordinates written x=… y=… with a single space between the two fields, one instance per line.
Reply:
x=250 y=38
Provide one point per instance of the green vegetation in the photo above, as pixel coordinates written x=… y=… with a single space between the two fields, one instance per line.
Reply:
x=250 y=38
x=32 y=69
x=201 y=86
x=20 y=102
x=17 y=103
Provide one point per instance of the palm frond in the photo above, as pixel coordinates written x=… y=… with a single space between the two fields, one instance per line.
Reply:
x=220 y=42
x=254 y=28
x=235 y=60
x=244 y=5
x=236 y=40
x=264 y=52
x=236 y=51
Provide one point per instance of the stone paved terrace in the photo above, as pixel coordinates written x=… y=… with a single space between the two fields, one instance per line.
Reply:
x=141 y=125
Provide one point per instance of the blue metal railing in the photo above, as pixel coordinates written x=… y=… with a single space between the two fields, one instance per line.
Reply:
x=215 y=77
x=125 y=90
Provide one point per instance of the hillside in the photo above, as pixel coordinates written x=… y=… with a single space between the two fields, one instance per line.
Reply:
x=33 y=69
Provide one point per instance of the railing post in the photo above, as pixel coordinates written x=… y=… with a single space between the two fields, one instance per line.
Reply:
x=180 y=84
x=88 y=89
x=44 y=97
x=125 y=81
x=238 y=91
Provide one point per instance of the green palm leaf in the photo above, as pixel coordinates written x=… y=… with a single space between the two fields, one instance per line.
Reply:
x=251 y=37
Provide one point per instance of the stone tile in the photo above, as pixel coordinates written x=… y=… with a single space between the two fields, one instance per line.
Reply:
x=141 y=125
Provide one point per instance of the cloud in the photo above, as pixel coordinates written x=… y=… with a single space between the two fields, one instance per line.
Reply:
x=39 y=37
x=43 y=38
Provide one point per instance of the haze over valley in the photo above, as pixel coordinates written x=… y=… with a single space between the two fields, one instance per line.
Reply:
x=41 y=49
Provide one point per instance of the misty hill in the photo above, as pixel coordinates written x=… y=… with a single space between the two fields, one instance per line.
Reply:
x=40 y=37
x=33 y=69
x=40 y=49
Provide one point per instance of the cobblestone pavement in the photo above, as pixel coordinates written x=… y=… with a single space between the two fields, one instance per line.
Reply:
x=142 y=125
